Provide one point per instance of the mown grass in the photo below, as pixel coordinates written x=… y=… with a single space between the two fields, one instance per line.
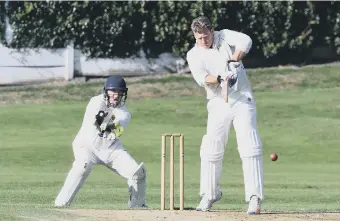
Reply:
x=300 y=123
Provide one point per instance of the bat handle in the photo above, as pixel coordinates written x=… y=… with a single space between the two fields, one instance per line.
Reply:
x=227 y=90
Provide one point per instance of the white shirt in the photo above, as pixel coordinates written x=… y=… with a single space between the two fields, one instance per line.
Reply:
x=213 y=61
x=89 y=132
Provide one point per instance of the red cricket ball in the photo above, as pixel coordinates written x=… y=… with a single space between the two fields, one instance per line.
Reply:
x=273 y=156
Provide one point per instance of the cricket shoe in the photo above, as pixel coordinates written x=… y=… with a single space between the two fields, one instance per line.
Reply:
x=254 y=207
x=143 y=206
x=61 y=205
x=139 y=207
x=206 y=204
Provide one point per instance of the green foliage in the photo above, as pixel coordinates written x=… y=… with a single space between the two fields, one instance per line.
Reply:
x=279 y=29
x=100 y=29
x=2 y=22
x=328 y=30
x=276 y=25
x=169 y=30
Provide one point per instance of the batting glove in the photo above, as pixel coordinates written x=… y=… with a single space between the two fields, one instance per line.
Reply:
x=232 y=77
x=233 y=68
x=234 y=64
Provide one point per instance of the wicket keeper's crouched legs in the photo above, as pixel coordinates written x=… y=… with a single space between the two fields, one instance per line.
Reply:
x=74 y=180
x=123 y=163
x=137 y=188
x=120 y=162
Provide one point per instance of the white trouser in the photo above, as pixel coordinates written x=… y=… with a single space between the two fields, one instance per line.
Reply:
x=115 y=158
x=220 y=118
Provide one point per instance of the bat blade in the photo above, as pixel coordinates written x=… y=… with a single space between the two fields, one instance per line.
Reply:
x=225 y=90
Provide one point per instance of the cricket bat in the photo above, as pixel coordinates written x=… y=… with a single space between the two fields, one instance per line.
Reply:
x=227 y=90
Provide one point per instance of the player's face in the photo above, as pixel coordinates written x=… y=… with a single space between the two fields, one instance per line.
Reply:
x=205 y=38
x=114 y=97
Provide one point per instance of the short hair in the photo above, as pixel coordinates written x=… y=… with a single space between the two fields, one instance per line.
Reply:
x=200 y=23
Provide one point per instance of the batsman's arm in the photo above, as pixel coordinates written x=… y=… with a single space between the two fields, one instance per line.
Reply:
x=201 y=76
x=211 y=79
x=240 y=41
x=238 y=55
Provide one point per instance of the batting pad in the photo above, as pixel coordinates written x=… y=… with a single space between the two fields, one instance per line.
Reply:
x=75 y=179
x=212 y=152
x=248 y=142
x=137 y=188
x=253 y=177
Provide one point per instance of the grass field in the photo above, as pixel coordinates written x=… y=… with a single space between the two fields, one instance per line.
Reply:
x=298 y=118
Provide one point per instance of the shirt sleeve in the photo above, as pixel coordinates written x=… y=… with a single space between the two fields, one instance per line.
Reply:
x=90 y=113
x=239 y=40
x=197 y=68
x=123 y=117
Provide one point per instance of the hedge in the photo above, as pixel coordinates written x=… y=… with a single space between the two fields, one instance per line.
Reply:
x=279 y=29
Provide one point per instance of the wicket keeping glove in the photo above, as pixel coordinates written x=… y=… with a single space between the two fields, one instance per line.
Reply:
x=118 y=129
x=109 y=135
x=99 y=118
x=114 y=127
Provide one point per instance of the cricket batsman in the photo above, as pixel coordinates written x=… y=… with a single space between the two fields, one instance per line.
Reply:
x=97 y=142
x=215 y=63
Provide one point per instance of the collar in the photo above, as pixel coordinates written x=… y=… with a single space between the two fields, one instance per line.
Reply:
x=217 y=40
